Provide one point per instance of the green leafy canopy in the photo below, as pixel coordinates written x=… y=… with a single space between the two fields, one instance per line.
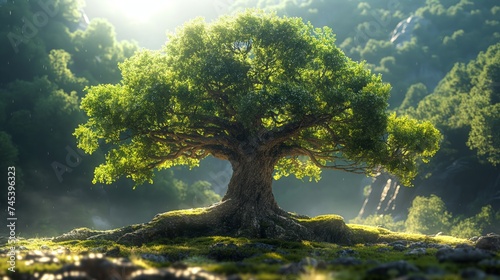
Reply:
x=468 y=98
x=253 y=83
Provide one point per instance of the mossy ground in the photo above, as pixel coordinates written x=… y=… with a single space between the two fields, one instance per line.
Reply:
x=369 y=234
x=249 y=258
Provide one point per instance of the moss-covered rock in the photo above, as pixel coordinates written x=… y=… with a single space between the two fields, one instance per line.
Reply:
x=370 y=234
x=328 y=228
x=221 y=220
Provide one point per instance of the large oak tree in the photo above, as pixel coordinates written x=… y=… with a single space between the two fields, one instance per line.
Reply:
x=272 y=95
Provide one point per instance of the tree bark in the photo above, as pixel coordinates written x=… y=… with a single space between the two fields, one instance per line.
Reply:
x=248 y=207
x=250 y=186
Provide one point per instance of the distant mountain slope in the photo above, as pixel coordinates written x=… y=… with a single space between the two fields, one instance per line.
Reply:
x=407 y=41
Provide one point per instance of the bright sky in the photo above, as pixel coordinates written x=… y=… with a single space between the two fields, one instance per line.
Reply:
x=147 y=21
x=140 y=11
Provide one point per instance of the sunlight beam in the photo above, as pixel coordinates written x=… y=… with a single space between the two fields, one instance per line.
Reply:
x=140 y=11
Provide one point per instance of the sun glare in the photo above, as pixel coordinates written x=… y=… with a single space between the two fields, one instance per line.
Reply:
x=140 y=11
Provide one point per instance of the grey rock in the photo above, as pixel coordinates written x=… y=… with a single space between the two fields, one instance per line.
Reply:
x=260 y=246
x=399 y=242
x=462 y=255
x=291 y=269
x=490 y=242
x=155 y=258
x=347 y=253
x=490 y=263
x=347 y=261
x=393 y=269
x=438 y=246
x=435 y=271
x=464 y=246
x=371 y=263
x=399 y=247
x=472 y=274
x=417 y=252
x=492 y=266
x=415 y=245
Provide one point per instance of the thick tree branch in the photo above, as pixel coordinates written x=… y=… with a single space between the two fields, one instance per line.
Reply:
x=292 y=129
x=317 y=156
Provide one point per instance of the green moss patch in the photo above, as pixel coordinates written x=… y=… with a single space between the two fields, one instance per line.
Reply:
x=370 y=234
x=252 y=258
x=329 y=228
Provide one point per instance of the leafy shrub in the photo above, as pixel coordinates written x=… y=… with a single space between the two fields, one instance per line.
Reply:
x=476 y=225
x=428 y=215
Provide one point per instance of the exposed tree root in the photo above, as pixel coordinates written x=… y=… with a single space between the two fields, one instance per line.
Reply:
x=225 y=219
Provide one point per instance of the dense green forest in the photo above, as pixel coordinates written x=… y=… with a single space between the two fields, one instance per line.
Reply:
x=51 y=54
x=442 y=58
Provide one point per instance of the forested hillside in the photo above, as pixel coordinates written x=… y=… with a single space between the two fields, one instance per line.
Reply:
x=442 y=58
x=51 y=52
x=407 y=41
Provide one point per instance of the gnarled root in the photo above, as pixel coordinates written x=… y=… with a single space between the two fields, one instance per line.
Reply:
x=227 y=219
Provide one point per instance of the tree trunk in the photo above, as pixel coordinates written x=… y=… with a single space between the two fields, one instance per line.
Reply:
x=249 y=208
x=250 y=186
